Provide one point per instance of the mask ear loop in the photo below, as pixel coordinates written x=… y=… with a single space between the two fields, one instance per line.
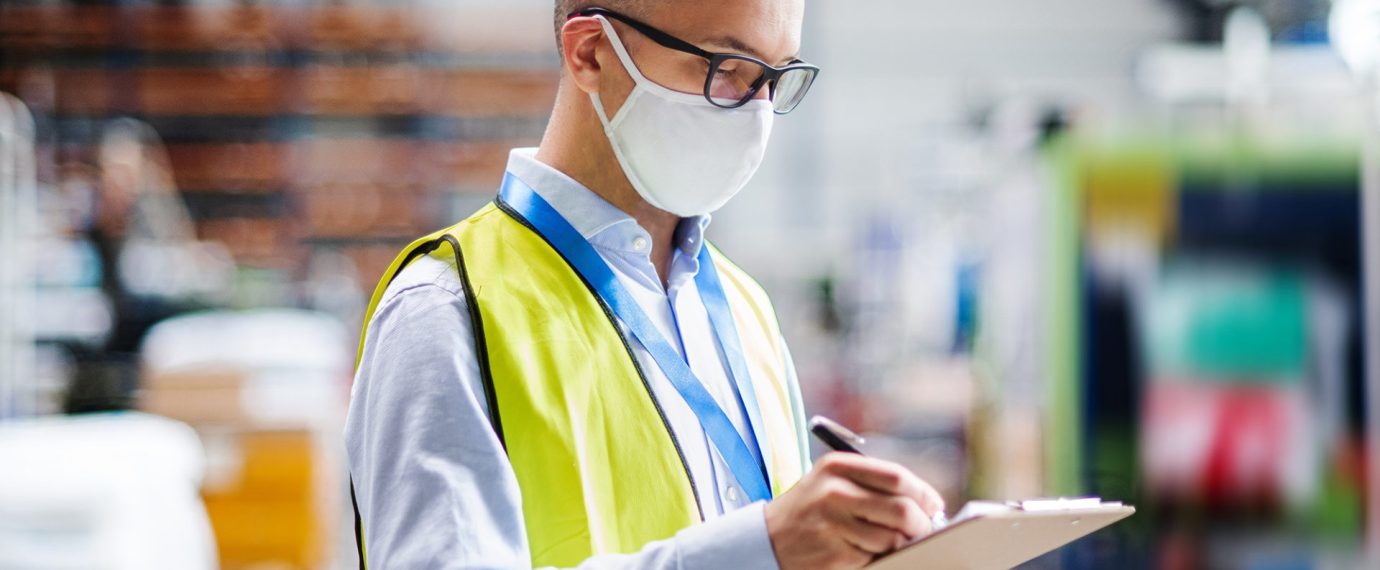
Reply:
x=611 y=123
x=622 y=51
x=641 y=84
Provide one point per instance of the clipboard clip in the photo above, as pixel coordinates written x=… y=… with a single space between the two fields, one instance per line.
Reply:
x=979 y=508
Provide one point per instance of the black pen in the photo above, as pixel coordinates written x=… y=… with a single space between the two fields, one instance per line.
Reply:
x=834 y=435
x=840 y=438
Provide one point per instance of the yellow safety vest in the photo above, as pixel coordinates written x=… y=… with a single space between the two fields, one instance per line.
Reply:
x=599 y=469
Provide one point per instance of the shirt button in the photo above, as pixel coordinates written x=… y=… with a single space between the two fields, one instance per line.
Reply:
x=731 y=494
x=639 y=243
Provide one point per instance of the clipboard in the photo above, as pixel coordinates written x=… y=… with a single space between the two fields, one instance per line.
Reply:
x=1002 y=539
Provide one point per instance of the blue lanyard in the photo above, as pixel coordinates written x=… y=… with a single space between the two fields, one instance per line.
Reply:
x=746 y=462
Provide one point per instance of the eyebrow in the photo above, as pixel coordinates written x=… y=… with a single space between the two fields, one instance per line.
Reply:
x=740 y=46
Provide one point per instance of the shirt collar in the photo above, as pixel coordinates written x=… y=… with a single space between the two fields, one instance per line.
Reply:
x=599 y=222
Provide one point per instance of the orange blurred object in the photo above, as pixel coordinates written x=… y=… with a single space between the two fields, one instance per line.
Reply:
x=268 y=514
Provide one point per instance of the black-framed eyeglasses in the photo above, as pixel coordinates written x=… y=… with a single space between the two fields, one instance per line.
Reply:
x=733 y=79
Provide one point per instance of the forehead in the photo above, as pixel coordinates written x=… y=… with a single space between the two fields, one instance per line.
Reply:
x=769 y=29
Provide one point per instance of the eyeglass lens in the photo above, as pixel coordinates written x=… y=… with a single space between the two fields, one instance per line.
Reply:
x=733 y=81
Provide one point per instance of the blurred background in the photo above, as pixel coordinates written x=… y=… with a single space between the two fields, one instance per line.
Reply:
x=1067 y=247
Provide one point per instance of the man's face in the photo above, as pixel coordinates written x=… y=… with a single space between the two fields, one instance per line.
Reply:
x=768 y=30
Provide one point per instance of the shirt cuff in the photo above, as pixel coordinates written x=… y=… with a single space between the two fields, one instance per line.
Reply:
x=737 y=539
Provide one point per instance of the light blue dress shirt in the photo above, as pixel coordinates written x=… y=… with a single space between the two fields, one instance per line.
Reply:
x=433 y=484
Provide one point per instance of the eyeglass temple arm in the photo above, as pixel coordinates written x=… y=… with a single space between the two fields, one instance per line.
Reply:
x=658 y=36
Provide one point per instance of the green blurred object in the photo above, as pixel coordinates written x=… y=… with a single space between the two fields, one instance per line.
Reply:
x=1338 y=512
x=1063 y=416
x=1228 y=322
x=1297 y=161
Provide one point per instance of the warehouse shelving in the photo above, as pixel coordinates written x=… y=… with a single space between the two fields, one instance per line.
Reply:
x=279 y=119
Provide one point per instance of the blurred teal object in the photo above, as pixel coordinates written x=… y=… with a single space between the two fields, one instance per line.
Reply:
x=1227 y=321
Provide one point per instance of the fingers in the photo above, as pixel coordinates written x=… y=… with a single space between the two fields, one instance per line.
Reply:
x=884 y=477
x=896 y=513
x=871 y=539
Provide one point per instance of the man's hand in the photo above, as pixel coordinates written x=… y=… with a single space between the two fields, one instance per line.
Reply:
x=846 y=511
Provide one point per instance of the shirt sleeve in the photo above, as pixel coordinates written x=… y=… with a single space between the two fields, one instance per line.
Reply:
x=434 y=487
x=432 y=482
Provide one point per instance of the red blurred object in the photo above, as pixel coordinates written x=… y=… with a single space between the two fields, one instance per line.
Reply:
x=1242 y=462
x=1226 y=445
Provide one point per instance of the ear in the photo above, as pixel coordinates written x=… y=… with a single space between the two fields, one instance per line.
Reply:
x=580 y=41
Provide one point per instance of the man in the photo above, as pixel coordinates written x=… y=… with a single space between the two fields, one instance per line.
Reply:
x=572 y=376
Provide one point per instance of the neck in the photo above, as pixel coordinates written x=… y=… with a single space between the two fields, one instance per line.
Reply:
x=576 y=145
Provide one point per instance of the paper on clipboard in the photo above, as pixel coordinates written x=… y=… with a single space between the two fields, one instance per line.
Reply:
x=985 y=535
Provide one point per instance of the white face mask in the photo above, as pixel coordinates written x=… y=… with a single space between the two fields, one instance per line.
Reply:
x=680 y=152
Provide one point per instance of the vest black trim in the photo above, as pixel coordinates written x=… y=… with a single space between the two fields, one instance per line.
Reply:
x=481 y=356
x=481 y=346
x=359 y=525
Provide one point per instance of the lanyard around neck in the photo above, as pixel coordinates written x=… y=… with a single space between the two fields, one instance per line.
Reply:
x=746 y=463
